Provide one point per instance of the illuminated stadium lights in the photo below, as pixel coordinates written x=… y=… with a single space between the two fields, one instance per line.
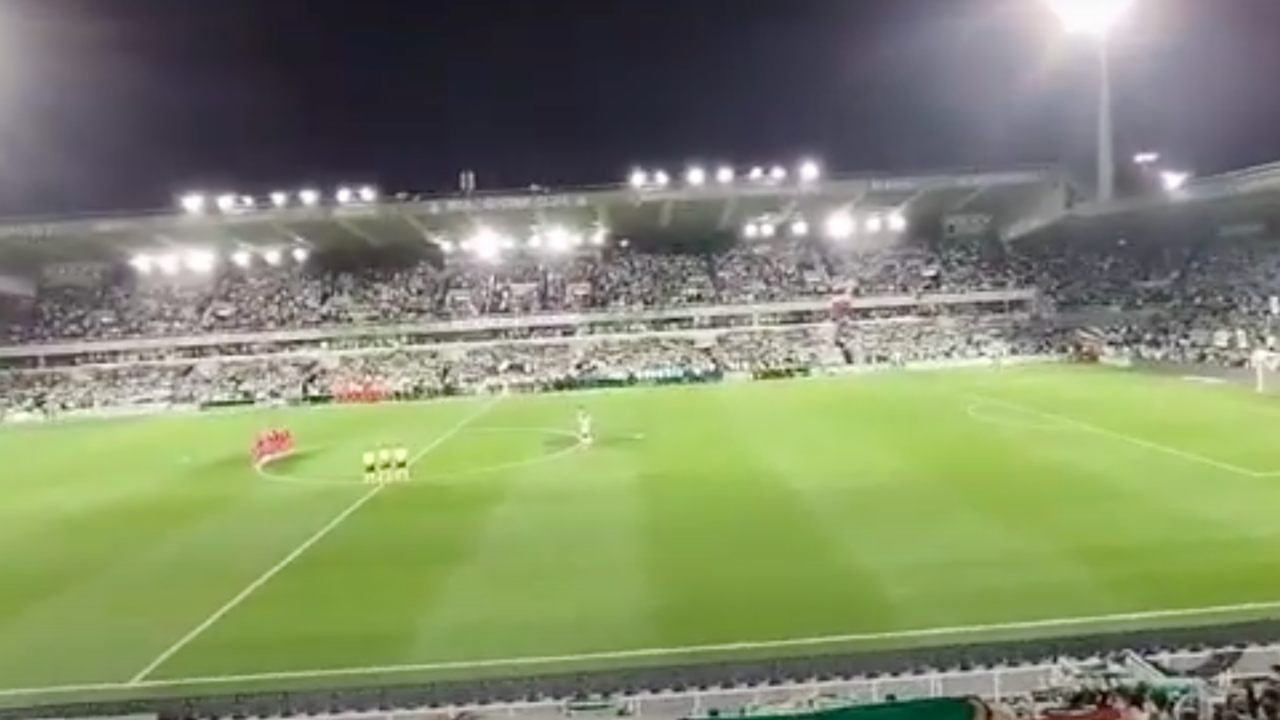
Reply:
x=194 y=203
x=273 y=257
x=897 y=223
x=446 y=247
x=367 y=194
x=696 y=176
x=309 y=198
x=1173 y=180
x=641 y=179
x=767 y=230
x=809 y=171
x=751 y=231
x=559 y=239
x=777 y=173
x=345 y=196
x=1089 y=17
x=840 y=226
x=300 y=254
x=724 y=175
x=599 y=236
x=485 y=244
x=799 y=228
x=279 y=199
x=756 y=174
x=226 y=203
x=142 y=263
x=199 y=261
x=168 y=264
x=242 y=258
x=1097 y=18
x=875 y=224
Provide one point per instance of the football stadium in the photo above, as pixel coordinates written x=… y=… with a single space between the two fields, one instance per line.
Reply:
x=835 y=427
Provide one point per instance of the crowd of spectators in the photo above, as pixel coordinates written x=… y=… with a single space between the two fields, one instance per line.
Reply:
x=1192 y=301
x=233 y=299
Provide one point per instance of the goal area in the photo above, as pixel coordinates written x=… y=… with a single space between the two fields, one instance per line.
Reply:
x=1266 y=371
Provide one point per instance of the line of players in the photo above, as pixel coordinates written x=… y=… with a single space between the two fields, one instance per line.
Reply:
x=385 y=464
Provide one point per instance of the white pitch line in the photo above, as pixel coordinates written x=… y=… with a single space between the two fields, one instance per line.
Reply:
x=974 y=632
x=141 y=676
x=1136 y=441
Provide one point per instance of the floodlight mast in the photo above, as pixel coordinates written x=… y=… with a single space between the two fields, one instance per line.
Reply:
x=1097 y=19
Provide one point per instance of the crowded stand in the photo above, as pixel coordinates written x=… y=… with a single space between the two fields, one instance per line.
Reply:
x=1189 y=301
x=132 y=305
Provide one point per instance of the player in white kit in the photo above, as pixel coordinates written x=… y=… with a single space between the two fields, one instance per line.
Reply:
x=584 y=427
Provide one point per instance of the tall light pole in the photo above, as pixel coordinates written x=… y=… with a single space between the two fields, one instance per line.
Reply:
x=1096 y=19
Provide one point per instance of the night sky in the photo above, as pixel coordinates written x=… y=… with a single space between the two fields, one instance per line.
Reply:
x=121 y=104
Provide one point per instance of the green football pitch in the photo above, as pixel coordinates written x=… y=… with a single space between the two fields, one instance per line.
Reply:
x=147 y=555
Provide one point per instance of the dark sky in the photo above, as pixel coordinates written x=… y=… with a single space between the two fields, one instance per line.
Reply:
x=120 y=104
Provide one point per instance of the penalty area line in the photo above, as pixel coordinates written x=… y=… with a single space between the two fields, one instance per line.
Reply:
x=141 y=676
x=1070 y=422
x=972 y=632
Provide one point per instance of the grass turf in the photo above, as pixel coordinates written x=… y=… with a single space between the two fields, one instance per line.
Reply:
x=887 y=510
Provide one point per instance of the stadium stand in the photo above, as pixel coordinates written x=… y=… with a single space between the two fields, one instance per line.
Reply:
x=981 y=266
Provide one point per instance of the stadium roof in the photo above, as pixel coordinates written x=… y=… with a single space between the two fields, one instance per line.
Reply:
x=1242 y=199
x=1005 y=196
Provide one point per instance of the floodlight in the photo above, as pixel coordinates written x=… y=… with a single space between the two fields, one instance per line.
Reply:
x=368 y=194
x=756 y=174
x=724 y=175
x=242 y=258
x=246 y=202
x=193 y=204
x=751 y=231
x=345 y=195
x=897 y=223
x=809 y=171
x=1146 y=158
x=486 y=244
x=599 y=236
x=1173 y=180
x=273 y=257
x=446 y=246
x=840 y=226
x=310 y=198
x=279 y=199
x=767 y=230
x=226 y=203
x=168 y=264
x=1089 y=17
x=558 y=238
x=777 y=173
x=875 y=224
x=661 y=179
x=696 y=177
x=799 y=228
x=199 y=261
x=535 y=241
x=142 y=263
x=639 y=179
x=300 y=254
